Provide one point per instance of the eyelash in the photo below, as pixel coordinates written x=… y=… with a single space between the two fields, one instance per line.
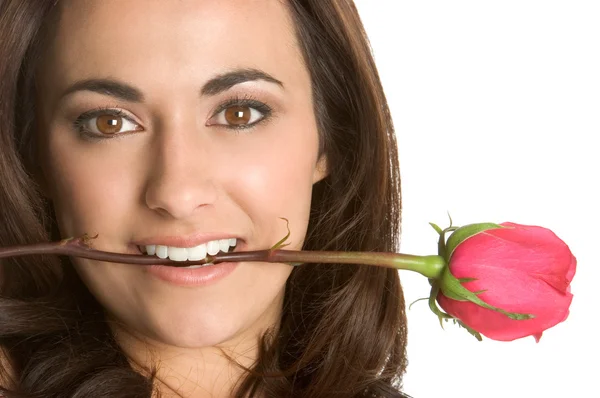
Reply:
x=246 y=101
x=80 y=122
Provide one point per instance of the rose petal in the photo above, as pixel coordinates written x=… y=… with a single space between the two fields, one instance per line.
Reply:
x=497 y=326
x=531 y=251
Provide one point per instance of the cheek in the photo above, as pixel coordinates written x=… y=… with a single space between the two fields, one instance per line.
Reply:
x=88 y=191
x=278 y=176
x=274 y=180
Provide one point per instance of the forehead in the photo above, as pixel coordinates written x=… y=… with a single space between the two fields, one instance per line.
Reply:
x=172 y=40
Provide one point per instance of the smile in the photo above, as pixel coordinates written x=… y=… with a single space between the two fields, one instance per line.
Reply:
x=194 y=253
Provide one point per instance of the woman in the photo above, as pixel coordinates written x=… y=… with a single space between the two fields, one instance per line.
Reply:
x=177 y=128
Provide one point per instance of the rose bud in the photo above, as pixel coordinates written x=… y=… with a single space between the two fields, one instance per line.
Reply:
x=513 y=270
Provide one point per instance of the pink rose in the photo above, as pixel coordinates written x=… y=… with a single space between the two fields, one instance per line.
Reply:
x=521 y=269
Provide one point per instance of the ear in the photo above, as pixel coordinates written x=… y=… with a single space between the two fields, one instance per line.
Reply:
x=321 y=170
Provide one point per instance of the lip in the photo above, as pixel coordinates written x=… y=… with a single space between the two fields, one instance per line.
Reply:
x=184 y=241
x=192 y=277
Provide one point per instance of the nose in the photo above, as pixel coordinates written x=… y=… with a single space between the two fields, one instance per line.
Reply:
x=180 y=181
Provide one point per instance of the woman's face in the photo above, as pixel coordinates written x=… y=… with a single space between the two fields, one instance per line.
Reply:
x=175 y=123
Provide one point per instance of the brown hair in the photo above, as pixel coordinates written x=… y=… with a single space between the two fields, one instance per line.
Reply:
x=343 y=327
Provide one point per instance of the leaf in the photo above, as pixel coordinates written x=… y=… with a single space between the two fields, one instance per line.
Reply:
x=281 y=243
x=464 y=233
x=66 y=240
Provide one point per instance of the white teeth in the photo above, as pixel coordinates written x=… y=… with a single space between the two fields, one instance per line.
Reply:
x=161 y=251
x=178 y=253
x=212 y=247
x=224 y=245
x=191 y=253
x=197 y=252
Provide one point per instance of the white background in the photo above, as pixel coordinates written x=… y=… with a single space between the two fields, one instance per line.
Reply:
x=497 y=111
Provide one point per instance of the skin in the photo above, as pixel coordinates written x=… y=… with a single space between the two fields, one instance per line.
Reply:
x=180 y=170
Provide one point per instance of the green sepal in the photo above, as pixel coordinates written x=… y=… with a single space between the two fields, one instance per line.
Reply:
x=463 y=233
x=444 y=317
x=435 y=290
x=437 y=229
x=451 y=295
x=472 y=331
x=451 y=287
x=416 y=301
x=442 y=245
x=442 y=238
x=442 y=249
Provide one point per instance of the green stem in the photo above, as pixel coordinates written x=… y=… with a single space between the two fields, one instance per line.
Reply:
x=429 y=266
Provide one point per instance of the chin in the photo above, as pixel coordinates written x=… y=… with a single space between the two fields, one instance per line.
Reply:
x=207 y=331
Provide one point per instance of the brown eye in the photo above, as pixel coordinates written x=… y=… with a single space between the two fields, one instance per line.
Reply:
x=238 y=115
x=106 y=123
x=109 y=124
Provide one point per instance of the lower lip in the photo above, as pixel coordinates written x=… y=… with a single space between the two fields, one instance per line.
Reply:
x=192 y=276
x=204 y=276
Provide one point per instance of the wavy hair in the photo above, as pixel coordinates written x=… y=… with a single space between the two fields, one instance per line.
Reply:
x=343 y=327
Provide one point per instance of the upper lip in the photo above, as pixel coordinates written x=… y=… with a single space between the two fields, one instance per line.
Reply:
x=184 y=241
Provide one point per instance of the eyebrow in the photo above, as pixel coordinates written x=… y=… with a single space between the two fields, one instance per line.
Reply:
x=224 y=82
x=129 y=93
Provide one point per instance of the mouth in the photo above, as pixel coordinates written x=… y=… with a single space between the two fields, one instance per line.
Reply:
x=195 y=253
